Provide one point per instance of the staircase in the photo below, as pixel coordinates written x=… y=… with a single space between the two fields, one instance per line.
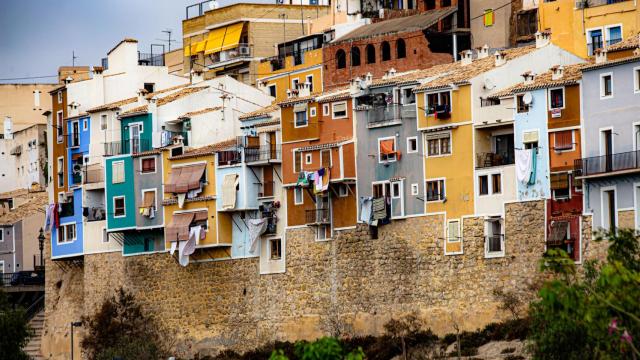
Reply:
x=33 y=347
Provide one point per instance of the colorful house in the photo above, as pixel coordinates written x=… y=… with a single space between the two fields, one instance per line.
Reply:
x=318 y=168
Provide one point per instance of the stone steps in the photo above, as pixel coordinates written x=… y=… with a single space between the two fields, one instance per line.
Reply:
x=33 y=347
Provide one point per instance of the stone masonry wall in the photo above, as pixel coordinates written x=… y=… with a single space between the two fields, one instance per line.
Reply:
x=352 y=283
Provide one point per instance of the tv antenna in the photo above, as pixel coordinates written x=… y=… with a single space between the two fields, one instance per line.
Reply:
x=168 y=40
x=73 y=58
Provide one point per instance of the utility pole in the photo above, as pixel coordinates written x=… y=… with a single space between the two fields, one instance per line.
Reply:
x=73 y=58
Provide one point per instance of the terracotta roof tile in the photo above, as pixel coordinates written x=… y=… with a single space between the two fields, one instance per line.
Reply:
x=166 y=99
x=264 y=111
x=30 y=203
x=113 y=105
x=297 y=99
x=629 y=43
x=342 y=93
x=571 y=75
x=206 y=150
x=615 y=62
x=191 y=114
x=155 y=93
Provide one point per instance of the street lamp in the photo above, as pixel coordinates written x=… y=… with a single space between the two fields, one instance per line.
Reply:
x=74 y=324
x=41 y=244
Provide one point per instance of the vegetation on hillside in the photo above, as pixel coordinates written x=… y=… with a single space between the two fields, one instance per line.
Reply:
x=14 y=330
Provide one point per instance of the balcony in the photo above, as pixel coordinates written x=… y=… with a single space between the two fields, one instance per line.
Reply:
x=378 y=116
x=263 y=154
x=317 y=217
x=242 y=51
x=22 y=278
x=614 y=164
x=489 y=159
x=150 y=59
x=126 y=147
x=229 y=157
x=92 y=174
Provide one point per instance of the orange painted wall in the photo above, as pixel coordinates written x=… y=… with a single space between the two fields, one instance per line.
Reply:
x=564 y=160
x=570 y=115
x=345 y=209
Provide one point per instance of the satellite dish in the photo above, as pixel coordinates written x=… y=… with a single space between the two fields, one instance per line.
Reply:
x=77 y=168
x=527 y=98
x=488 y=84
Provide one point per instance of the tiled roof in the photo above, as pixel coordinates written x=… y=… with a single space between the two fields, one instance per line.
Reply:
x=264 y=111
x=399 y=25
x=457 y=73
x=615 y=62
x=629 y=43
x=113 y=105
x=571 y=75
x=206 y=150
x=411 y=76
x=191 y=114
x=159 y=92
x=148 y=152
x=30 y=203
x=135 y=110
x=335 y=95
x=297 y=99
x=166 y=99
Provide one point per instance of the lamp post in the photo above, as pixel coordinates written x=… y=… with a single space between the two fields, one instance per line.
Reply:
x=41 y=245
x=74 y=324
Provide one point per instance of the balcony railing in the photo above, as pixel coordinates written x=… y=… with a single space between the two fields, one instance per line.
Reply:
x=92 y=174
x=604 y=164
x=266 y=189
x=168 y=137
x=494 y=244
x=317 y=217
x=126 y=147
x=380 y=115
x=229 y=157
x=150 y=59
x=198 y=9
x=262 y=153
x=22 y=278
x=486 y=160
x=240 y=52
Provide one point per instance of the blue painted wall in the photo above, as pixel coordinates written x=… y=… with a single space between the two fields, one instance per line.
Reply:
x=535 y=119
x=76 y=247
x=145 y=135
x=247 y=196
x=83 y=148
x=241 y=241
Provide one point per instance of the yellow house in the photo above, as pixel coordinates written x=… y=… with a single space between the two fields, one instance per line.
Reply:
x=581 y=26
x=189 y=201
x=298 y=61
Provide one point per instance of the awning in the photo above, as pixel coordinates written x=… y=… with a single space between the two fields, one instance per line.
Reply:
x=200 y=216
x=232 y=37
x=149 y=199
x=174 y=178
x=187 y=50
x=184 y=178
x=437 y=135
x=558 y=231
x=178 y=228
x=215 y=40
x=200 y=45
x=224 y=38
x=559 y=181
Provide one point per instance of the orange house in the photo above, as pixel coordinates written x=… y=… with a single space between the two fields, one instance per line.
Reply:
x=318 y=165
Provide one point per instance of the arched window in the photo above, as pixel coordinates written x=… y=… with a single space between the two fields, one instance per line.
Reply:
x=341 y=59
x=386 y=51
x=371 y=54
x=355 y=56
x=401 y=50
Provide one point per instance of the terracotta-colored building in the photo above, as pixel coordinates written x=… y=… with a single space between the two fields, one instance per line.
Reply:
x=317 y=137
x=405 y=43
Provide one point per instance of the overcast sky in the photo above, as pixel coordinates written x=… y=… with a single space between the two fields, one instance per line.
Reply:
x=37 y=36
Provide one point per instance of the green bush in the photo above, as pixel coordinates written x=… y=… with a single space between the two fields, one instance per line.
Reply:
x=14 y=331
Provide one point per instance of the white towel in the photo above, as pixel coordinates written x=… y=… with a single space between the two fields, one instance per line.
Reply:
x=181 y=200
x=182 y=258
x=257 y=227
x=194 y=235
x=523 y=165
x=229 y=184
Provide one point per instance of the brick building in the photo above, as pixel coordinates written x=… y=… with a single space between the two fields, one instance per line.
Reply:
x=411 y=42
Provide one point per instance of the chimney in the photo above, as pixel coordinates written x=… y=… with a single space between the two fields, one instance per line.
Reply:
x=389 y=73
x=97 y=70
x=355 y=85
x=601 y=56
x=73 y=109
x=68 y=80
x=528 y=77
x=141 y=96
x=543 y=38
x=483 y=51
x=466 y=57
x=197 y=76
x=368 y=78
x=500 y=58
x=557 y=72
x=8 y=128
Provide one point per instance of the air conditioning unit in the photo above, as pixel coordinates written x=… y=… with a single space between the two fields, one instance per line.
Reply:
x=244 y=50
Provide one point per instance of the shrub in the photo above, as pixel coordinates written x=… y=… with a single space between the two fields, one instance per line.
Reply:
x=14 y=329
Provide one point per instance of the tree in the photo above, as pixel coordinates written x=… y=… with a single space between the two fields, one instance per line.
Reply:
x=121 y=329
x=15 y=330
x=404 y=329
x=590 y=316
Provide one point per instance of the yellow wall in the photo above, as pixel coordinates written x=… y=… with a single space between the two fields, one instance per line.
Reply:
x=568 y=29
x=460 y=107
x=282 y=78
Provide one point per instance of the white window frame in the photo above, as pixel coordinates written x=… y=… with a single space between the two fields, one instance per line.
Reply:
x=403 y=98
x=426 y=100
x=459 y=239
x=588 y=37
x=503 y=242
x=62 y=229
x=275 y=89
x=296 y=191
x=310 y=82
x=270 y=254
x=312 y=112
x=564 y=98
x=59 y=126
x=60 y=168
x=330 y=157
x=85 y=124
x=400 y=195
x=71 y=134
x=607 y=28
x=444 y=185
x=124 y=201
x=295 y=120
x=155 y=167
x=333 y=112
x=415 y=189
x=104 y=122
x=59 y=97
x=440 y=154
x=118 y=162
x=325 y=109
x=615 y=205
x=489 y=176
x=414 y=138
x=155 y=196
x=294 y=81
x=601 y=140
x=308 y=158
x=602 y=94
x=635 y=132
x=395 y=157
x=636 y=80
x=36 y=98
x=570 y=181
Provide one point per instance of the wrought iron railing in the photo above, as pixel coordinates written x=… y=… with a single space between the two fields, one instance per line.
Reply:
x=494 y=243
x=486 y=160
x=150 y=59
x=198 y=9
x=388 y=114
x=133 y=146
x=229 y=157
x=262 y=153
x=22 y=278
x=317 y=216
x=607 y=163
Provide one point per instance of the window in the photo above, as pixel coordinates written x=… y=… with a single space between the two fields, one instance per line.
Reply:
x=412 y=145
x=308 y=158
x=560 y=186
x=563 y=140
x=149 y=199
x=355 y=56
x=614 y=34
x=609 y=217
x=401 y=49
x=298 y=196
x=325 y=158
x=385 y=49
x=439 y=103
x=488 y=18
x=118 y=206
x=60 y=171
x=148 y=165
x=66 y=233
x=85 y=124
x=272 y=90
x=414 y=189
x=312 y=112
x=103 y=122
x=494 y=242
x=496 y=183
x=370 y=51
x=36 y=98
x=117 y=172
x=339 y=110
x=408 y=97
x=556 y=98
x=343 y=190
x=594 y=41
x=294 y=83
x=438 y=144
x=310 y=82
x=341 y=59
x=149 y=87
x=59 y=127
x=301 y=118
x=636 y=79
x=297 y=161
x=275 y=249
x=435 y=190
x=483 y=185
x=1 y=234
x=387 y=150
x=325 y=109
x=606 y=86
x=522 y=107
x=453 y=231
x=59 y=97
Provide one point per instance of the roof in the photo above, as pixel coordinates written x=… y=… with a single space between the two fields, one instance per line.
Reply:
x=458 y=74
x=113 y=105
x=571 y=75
x=624 y=60
x=629 y=43
x=166 y=99
x=399 y=25
x=191 y=114
x=125 y=40
x=206 y=150
x=335 y=95
x=155 y=93
x=411 y=76
x=26 y=204
x=297 y=99
x=264 y=111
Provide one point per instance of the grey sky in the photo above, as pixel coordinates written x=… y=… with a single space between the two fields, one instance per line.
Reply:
x=37 y=36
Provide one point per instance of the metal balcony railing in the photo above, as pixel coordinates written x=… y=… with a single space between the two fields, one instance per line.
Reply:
x=486 y=160
x=604 y=164
x=379 y=115
x=198 y=9
x=317 y=217
x=95 y=213
x=133 y=146
x=22 y=278
x=229 y=157
x=239 y=52
x=494 y=243
x=150 y=59
x=93 y=173
x=263 y=153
